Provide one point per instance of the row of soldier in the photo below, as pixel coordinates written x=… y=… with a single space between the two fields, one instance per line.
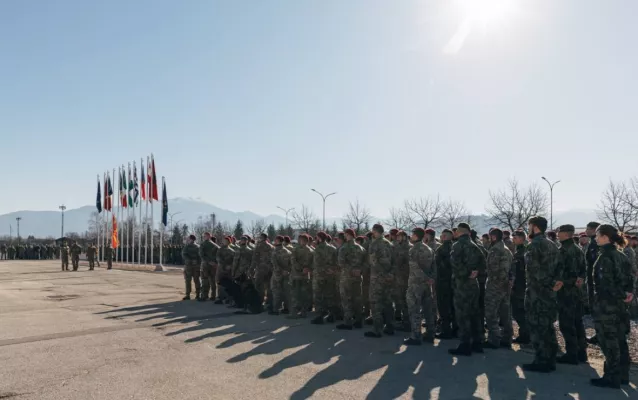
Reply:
x=29 y=252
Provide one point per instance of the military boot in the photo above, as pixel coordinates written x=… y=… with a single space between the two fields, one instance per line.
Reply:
x=412 y=341
x=606 y=382
x=464 y=349
x=318 y=320
x=344 y=327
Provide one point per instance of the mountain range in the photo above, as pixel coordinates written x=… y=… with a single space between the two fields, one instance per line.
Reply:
x=188 y=210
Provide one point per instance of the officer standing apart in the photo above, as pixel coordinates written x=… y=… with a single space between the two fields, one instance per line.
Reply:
x=419 y=293
x=190 y=253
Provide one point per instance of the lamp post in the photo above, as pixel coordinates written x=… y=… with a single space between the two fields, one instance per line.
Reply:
x=551 y=202
x=324 y=205
x=286 y=211
x=62 y=208
x=18 y=221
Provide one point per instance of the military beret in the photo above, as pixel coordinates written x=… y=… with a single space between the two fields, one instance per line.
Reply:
x=232 y=239
x=228 y=238
x=302 y=236
x=350 y=232
x=287 y=239
x=248 y=237
x=369 y=235
x=506 y=232
x=378 y=228
x=566 y=228
x=464 y=225
x=519 y=233
x=485 y=235
x=192 y=237
x=279 y=238
x=322 y=235
x=419 y=232
x=496 y=231
x=583 y=234
x=402 y=233
x=360 y=238
x=430 y=231
x=328 y=238
x=394 y=231
x=634 y=238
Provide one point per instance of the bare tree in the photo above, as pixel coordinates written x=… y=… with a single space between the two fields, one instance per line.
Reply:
x=425 y=211
x=616 y=206
x=454 y=212
x=303 y=219
x=93 y=225
x=357 y=216
x=256 y=228
x=398 y=219
x=514 y=206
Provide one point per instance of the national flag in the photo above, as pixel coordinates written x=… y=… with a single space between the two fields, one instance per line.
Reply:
x=105 y=202
x=142 y=181
x=149 y=179
x=131 y=203
x=108 y=192
x=164 y=205
x=154 y=180
x=123 y=187
x=114 y=242
x=98 y=200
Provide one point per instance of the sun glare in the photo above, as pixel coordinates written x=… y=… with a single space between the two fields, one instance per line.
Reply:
x=487 y=11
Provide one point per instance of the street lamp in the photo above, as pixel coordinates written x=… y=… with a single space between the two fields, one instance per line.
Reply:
x=286 y=211
x=170 y=217
x=551 y=202
x=62 y=208
x=324 y=205
x=18 y=221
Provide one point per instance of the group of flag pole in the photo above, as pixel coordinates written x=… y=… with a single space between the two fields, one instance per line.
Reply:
x=128 y=188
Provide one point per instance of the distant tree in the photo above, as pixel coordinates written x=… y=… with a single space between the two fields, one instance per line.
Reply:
x=271 y=231
x=256 y=228
x=333 y=230
x=219 y=232
x=453 y=213
x=615 y=207
x=176 y=236
x=398 y=219
x=288 y=231
x=304 y=219
x=315 y=227
x=185 y=233
x=281 y=230
x=357 y=216
x=424 y=211
x=513 y=206
x=366 y=227
x=239 y=229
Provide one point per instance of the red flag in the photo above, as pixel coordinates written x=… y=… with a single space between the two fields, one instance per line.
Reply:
x=149 y=179
x=114 y=242
x=143 y=181
x=154 y=180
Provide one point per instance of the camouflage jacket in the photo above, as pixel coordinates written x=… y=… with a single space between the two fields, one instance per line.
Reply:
x=76 y=250
x=108 y=253
x=190 y=254
x=401 y=257
x=91 y=252
x=572 y=264
x=519 y=270
x=433 y=245
x=64 y=251
x=610 y=281
x=365 y=257
x=323 y=260
x=242 y=260
x=543 y=265
x=262 y=256
x=510 y=245
x=225 y=256
x=421 y=262
x=499 y=262
x=631 y=255
x=380 y=252
x=302 y=258
x=443 y=262
x=280 y=257
x=349 y=257
x=208 y=252
x=466 y=257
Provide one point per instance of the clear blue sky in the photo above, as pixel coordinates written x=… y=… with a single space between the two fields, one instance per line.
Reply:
x=249 y=104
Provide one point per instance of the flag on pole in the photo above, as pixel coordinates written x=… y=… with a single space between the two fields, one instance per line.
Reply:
x=154 y=180
x=98 y=200
x=149 y=179
x=114 y=242
x=123 y=187
x=142 y=181
x=108 y=193
x=136 y=187
x=164 y=204
x=105 y=202
x=130 y=188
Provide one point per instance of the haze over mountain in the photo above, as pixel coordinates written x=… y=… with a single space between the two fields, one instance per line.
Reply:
x=188 y=210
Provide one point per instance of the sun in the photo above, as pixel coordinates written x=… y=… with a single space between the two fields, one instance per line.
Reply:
x=487 y=11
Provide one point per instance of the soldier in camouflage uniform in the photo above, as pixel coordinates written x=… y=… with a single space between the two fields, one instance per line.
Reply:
x=612 y=291
x=591 y=254
x=281 y=262
x=401 y=259
x=301 y=267
x=243 y=258
x=543 y=281
x=64 y=256
x=225 y=259
x=190 y=253
x=419 y=292
x=349 y=259
x=76 y=250
x=3 y=251
x=467 y=263
x=365 y=278
x=508 y=241
x=208 y=254
x=519 y=285
x=570 y=305
x=261 y=269
x=382 y=276
x=430 y=240
x=108 y=256
x=497 y=292
x=444 y=286
x=91 y=252
x=324 y=280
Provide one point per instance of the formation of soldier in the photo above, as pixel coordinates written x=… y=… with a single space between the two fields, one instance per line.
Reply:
x=28 y=252
x=401 y=281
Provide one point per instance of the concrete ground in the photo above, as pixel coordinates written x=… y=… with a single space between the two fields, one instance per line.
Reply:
x=126 y=335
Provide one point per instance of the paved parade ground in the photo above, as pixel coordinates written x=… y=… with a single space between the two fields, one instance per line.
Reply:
x=126 y=335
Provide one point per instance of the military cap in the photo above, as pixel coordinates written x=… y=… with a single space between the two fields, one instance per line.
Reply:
x=496 y=231
x=350 y=232
x=593 y=225
x=230 y=239
x=419 y=232
x=566 y=228
x=361 y=237
x=378 y=228
x=322 y=235
x=506 y=232
x=402 y=233
x=192 y=237
x=446 y=230
x=328 y=238
x=430 y=231
x=519 y=233
x=394 y=231
x=279 y=238
x=303 y=236
x=464 y=225
x=248 y=237
x=287 y=239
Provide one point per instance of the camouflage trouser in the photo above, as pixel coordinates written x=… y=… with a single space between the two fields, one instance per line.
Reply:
x=65 y=264
x=91 y=264
x=324 y=290
x=280 y=291
x=398 y=297
x=3 y=255
x=445 y=302
x=75 y=260
x=351 y=301
x=209 y=286
x=365 y=291
x=570 y=319
x=109 y=264
x=541 y=315
x=481 y=301
x=609 y=320
x=300 y=295
x=221 y=272
x=590 y=288
x=262 y=284
x=466 y=309
x=517 y=301
x=381 y=301
x=419 y=301
x=191 y=273
x=497 y=308
x=435 y=306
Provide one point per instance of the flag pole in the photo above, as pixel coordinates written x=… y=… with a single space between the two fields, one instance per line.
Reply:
x=161 y=244
x=97 y=221
x=111 y=201
x=131 y=182
x=120 y=213
x=152 y=220
x=101 y=244
x=128 y=215
x=148 y=163
x=139 y=251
